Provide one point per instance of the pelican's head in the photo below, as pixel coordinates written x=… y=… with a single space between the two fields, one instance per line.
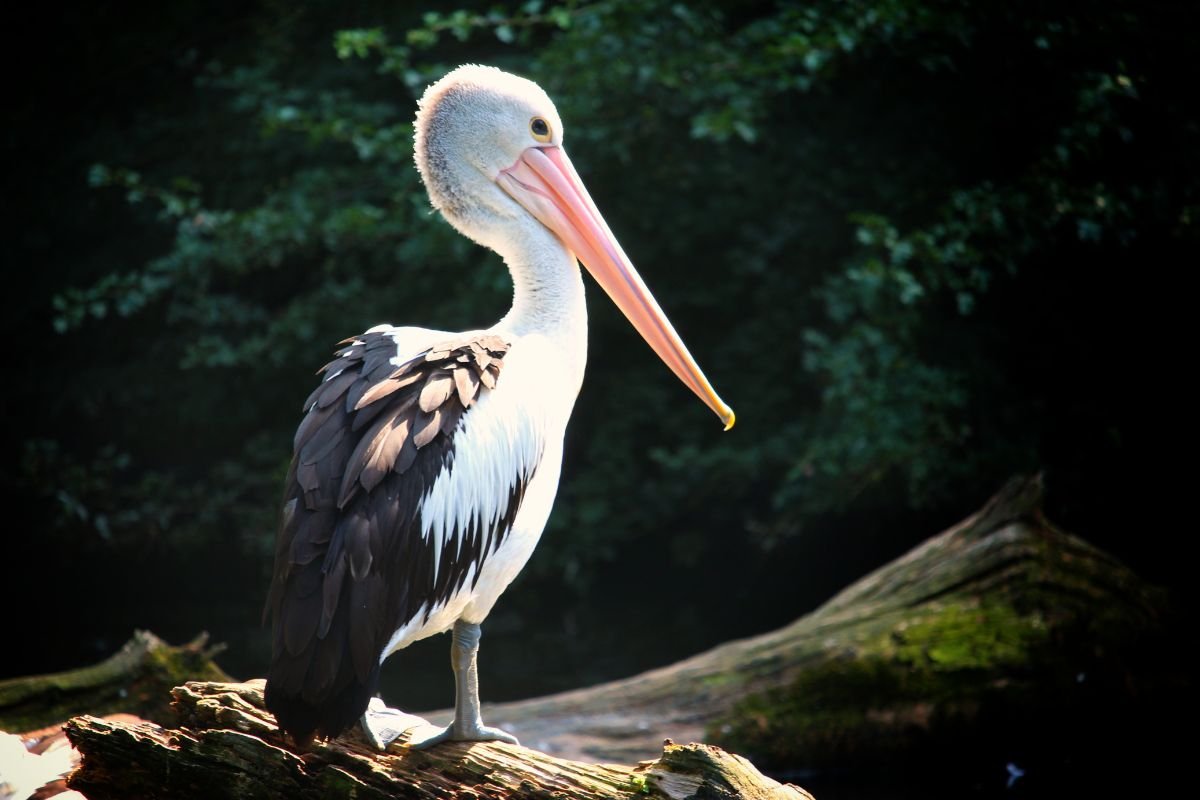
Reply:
x=489 y=148
x=472 y=125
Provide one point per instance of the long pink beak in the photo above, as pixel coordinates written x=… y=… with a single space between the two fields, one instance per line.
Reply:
x=545 y=182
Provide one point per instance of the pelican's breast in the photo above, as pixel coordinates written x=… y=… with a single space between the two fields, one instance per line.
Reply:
x=501 y=483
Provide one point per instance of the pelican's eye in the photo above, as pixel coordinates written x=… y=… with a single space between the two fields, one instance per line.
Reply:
x=540 y=129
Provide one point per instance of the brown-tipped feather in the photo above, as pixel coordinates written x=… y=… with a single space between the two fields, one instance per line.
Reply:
x=467 y=383
x=394 y=383
x=436 y=391
x=425 y=426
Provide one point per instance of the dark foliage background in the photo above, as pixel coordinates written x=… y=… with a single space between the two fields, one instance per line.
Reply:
x=919 y=245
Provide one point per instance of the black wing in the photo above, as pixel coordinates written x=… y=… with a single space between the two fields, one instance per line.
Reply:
x=351 y=564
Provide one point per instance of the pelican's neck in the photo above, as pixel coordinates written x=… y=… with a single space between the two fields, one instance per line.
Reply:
x=546 y=326
x=547 y=289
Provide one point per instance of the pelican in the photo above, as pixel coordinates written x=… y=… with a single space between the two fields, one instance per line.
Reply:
x=426 y=462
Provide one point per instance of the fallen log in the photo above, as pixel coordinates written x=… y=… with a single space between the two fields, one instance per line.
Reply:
x=971 y=636
x=137 y=679
x=227 y=745
x=1001 y=635
x=132 y=684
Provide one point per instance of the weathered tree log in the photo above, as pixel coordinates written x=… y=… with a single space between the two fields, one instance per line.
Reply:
x=135 y=680
x=1002 y=626
x=227 y=745
x=973 y=636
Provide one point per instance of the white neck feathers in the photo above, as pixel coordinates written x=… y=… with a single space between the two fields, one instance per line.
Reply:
x=547 y=286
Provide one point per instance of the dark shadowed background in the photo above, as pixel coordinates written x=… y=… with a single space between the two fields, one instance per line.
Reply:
x=918 y=245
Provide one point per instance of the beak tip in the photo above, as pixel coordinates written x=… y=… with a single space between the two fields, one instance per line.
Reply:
x=728 y=418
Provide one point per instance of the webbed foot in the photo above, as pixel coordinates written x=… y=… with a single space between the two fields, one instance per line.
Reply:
x=382 y=725
x=460 y=733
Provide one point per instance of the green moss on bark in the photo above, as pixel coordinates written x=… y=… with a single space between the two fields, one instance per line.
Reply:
x=136 y=680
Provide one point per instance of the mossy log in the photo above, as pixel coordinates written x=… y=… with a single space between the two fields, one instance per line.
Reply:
x=227 y=746
x=135 y=680
x=1001 y=626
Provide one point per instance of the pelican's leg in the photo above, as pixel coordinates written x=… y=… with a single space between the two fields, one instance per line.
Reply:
x=467 y=725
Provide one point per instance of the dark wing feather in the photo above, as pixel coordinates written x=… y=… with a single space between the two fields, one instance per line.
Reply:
x=335 y=387
x=351 y=563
